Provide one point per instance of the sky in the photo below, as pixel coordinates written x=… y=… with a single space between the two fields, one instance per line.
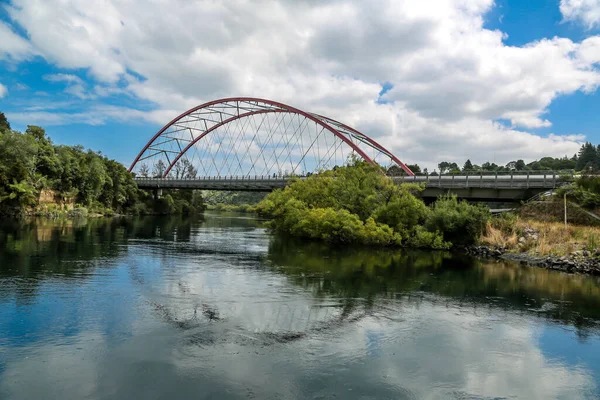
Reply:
x=431 y=80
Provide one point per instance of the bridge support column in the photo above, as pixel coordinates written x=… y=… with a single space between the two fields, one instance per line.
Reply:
x=157 y=194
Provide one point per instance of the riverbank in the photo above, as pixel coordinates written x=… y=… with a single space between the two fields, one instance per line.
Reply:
x=583 y=262
x=549 y=245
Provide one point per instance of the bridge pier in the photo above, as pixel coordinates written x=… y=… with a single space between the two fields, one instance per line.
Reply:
x=157 y=194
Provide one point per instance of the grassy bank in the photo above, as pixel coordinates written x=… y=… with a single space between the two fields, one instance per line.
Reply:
x=540 y=238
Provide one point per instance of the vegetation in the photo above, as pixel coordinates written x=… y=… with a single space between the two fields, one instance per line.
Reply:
x=31 y=163
x=587 y=160
x=539 y=238
x=232 y=201
x=76 y=179
x=358 y=204
x=584 y=191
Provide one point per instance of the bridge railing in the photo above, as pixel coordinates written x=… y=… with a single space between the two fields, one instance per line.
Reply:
x=498 y=180
x=468 y=180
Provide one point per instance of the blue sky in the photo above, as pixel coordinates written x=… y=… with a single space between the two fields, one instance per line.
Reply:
x=486 y=80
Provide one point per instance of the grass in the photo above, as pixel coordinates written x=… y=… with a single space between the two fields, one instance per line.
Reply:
x=553 y=238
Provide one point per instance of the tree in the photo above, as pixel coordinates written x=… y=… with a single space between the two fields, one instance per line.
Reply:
x=179 y=170
x=520 y=165
x=443 y=166
x=487 y=166
x=511 y=165
x=587 y=157
x=144 y=170
x=190 y=171
x=159 y=169
x=4 y=124
x=468 y=166
x=395 y=170
x=414 y=168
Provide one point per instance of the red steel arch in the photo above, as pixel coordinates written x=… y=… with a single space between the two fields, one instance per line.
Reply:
x=231 y=108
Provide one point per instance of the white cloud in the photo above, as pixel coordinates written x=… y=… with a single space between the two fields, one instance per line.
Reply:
x=451 y=77
x=586 y=12
x=3 y=91
x=75 y=85
x=12 y=46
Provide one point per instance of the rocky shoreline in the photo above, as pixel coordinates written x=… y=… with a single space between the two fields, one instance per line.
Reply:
x=582 y=261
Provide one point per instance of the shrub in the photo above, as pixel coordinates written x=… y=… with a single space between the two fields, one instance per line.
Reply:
x=421 y=238
x=460 y=222
x=355 y=204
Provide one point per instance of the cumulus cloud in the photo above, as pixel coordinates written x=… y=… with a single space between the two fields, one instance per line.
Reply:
x=451 y=77
x=3 y=90
x=586 y=12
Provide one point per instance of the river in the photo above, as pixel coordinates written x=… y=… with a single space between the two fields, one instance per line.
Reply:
x=217 y=308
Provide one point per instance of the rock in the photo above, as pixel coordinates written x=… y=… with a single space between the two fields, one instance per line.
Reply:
x=522 y=240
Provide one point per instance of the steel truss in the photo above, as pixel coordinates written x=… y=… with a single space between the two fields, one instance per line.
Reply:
x=246 y=136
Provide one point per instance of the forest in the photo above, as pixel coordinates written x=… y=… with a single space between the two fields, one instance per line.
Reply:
x=31 y=164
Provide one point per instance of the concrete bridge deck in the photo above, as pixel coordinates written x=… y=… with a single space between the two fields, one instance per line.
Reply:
x=505 y=187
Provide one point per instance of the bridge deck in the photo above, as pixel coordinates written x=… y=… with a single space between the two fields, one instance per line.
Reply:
x=506 y=187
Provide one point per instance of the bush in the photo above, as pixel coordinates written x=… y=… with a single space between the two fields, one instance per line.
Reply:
x=460 y=222
x=165 y=205
x=422 y=238
x=355 y=204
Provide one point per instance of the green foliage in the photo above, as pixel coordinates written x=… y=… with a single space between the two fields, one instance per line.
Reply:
x=585 y=191
x=30 y=163
x=355 y=204
x=165 y=205
x=4 y=124
x=460 y=222
x=215 y=197
x=422 y=238
x=587 y=158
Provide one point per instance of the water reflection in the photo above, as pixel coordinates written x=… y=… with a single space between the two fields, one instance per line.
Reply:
x=217 y=308
x=367 y=275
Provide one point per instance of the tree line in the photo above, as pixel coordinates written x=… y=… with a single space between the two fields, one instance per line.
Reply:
x=30 y=163
x=586 y=160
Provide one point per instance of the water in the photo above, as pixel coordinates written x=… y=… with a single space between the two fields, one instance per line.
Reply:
x=216 y=308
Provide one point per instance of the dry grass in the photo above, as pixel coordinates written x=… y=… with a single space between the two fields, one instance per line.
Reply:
x=552 y=237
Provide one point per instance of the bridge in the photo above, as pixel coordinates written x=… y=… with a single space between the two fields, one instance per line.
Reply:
x=253 y=144
x=496 y=187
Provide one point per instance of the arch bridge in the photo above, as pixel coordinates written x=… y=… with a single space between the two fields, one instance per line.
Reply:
x=247 y=137
x=253 y=144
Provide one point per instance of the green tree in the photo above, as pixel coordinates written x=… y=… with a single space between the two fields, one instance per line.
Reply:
x=352 y=204
x=587 y=157
x=4 y=124
x=520 y=165
x=458 y=221
x=414 y=168
x=443 y=167
x=468 y=166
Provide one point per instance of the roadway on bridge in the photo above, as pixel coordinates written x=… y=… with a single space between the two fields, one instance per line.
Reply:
x=478 y=187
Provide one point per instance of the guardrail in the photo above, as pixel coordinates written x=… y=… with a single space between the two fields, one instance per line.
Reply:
x=516 y=181
x=478 y=180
